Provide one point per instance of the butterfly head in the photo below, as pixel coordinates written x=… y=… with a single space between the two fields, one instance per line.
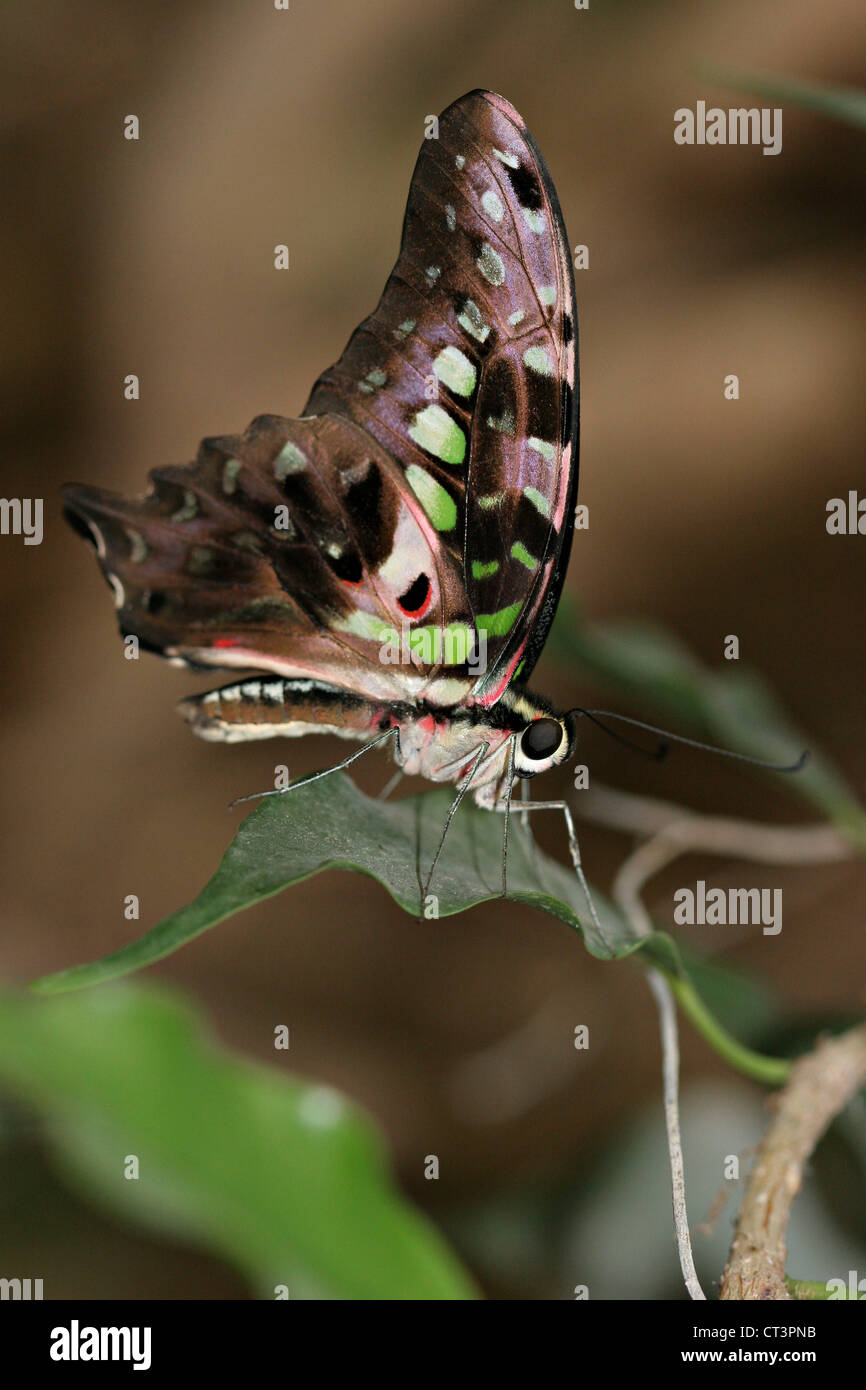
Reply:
x=543 y=738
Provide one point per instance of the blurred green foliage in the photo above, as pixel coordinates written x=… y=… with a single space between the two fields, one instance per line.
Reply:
x=826 y=99
x=283 y=1178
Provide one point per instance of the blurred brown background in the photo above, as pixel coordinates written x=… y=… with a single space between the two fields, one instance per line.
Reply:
x=156 y=257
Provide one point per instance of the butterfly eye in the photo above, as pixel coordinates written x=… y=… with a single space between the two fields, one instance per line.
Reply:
x=541 y=739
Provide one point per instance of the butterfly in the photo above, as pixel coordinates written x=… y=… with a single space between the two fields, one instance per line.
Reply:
x=387 y=566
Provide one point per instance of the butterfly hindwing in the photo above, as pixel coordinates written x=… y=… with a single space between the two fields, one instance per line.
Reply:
x=293 y=548
x=466 y=373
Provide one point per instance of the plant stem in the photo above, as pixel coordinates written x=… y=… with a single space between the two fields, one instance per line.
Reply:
x=770 y=1071
x=809 y=1289
x=821 y=1084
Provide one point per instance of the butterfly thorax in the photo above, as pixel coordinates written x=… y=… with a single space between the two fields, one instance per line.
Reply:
x=484 y=744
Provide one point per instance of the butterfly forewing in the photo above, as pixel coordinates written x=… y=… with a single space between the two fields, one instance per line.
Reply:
x=466 y=374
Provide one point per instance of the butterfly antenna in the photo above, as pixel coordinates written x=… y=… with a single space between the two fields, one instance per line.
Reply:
x=314 y=776
x=452 y=811
x=656 y=754
x=665 y=736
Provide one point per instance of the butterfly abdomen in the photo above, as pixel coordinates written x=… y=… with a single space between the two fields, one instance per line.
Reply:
x=269 y=707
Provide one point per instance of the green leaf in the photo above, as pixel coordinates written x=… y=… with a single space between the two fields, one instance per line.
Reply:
x=732 y=707
x=285 y=1179
x=330 y=824
x=843 y=103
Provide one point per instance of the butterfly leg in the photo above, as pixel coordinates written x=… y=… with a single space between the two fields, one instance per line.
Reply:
x=326 y=772
x=391 y=783
x=573 y=846
x=452 y=811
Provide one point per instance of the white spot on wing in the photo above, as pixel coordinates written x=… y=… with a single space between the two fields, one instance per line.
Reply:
x=410 y=555
x=455 y=371
x=504 y=423
x=231 y=470
x=289 y=460
x=492 y=205
x=490 y=265
x=470 y=319
x=537 y=360
x=98 y=538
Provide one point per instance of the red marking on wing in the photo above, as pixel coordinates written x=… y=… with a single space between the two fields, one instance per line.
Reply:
x=417 y=612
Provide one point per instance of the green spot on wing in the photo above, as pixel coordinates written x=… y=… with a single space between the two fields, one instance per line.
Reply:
x=541 y=446
x=437 y=503
x=538 y=500
x=365 y=625
x=439 y=435
x=481 y=569
x=500 y=623
x=451 y=646
x=519 y=552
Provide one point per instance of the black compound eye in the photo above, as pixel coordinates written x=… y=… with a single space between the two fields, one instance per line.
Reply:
x=541 y=739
